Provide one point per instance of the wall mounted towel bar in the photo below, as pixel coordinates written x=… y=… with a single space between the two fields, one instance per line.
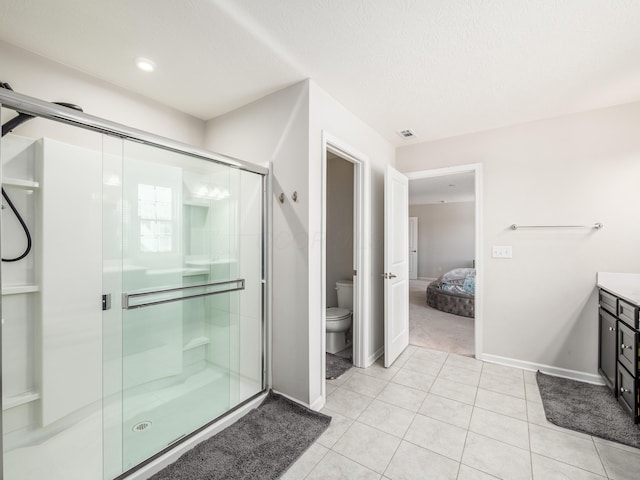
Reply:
x=596 y=226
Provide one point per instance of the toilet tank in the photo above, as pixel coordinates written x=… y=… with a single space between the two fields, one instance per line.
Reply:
x=344 y=289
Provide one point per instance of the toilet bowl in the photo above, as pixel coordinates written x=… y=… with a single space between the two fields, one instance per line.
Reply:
x=339 y=318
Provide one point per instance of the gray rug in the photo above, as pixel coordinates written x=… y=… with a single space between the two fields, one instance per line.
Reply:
x=337 y=365
x=262 y=444
x=587 y=408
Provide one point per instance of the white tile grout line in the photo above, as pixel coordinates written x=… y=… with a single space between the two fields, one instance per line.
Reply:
x=318 y=462
x=604 y=467
x=526 y=409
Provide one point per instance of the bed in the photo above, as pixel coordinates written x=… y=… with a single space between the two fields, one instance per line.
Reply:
x=454 y=292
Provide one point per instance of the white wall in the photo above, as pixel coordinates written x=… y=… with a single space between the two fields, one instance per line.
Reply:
x=329 y=116
x=541 y=306
x=339 y=224
x=275 y=129
x=286 y=128
x=446 y=237
x=32 y=75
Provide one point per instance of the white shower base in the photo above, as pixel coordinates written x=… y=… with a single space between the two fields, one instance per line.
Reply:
x=76 y=452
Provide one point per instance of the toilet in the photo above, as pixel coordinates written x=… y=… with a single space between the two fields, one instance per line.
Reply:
x=339 y=318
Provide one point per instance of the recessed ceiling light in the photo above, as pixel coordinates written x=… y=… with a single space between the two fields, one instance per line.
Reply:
x=145 y=64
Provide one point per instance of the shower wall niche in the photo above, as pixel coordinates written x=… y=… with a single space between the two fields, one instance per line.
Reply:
x=137 y=317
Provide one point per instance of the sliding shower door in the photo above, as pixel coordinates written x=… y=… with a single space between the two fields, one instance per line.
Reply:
x=185 y=268
x=132 y=295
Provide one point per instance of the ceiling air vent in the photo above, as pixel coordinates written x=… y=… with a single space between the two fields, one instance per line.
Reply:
x=408 y=133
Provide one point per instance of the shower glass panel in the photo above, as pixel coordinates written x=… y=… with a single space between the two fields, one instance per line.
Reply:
x=191 y=297
x=173 y=246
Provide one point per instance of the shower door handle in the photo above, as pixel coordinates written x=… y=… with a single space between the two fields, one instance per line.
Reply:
x=221 y=287
x=106 y=302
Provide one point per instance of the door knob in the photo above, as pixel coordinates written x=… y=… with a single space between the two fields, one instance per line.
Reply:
x=624 y=390
x=628 y=347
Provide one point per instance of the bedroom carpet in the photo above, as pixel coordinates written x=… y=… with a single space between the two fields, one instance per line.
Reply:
x=262 y=444
x=586 y=408
x=434 y=329
x=337 y=365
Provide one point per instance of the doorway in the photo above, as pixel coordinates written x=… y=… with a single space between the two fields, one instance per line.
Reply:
x=444 y=298
x=344 y=265
x=339 y=264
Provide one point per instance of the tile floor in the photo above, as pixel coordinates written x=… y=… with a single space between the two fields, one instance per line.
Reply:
x=435 y=415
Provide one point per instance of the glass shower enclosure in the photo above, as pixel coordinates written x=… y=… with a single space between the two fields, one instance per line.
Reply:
x=137 y=318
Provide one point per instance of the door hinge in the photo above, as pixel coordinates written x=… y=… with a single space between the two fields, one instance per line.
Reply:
x=355 y=272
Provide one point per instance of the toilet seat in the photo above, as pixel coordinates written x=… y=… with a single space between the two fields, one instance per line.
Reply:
x=337 y=313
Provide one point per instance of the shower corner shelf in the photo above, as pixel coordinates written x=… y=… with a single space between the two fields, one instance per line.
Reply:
x=20 y=399
x=19 y=183
x=18 y=289
x=195 y=343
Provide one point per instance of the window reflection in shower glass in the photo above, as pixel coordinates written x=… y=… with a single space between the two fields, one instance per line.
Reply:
x=155 y=213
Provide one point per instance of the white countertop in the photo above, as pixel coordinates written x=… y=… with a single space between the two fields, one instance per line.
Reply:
x=624 y=285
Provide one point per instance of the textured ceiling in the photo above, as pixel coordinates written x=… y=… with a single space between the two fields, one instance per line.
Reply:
x=439 y=67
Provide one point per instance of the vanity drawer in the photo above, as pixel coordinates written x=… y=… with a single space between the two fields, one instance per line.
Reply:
x=628 y=347
x=609 y=302
x=628 y=313
x=628 y=392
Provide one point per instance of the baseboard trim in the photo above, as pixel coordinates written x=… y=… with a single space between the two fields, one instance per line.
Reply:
x=375 y=356
x=311 y=405
x=316 y=405
x=548 y=369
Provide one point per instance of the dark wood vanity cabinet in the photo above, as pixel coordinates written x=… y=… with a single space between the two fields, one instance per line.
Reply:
x=618 y=359
x=607 y=348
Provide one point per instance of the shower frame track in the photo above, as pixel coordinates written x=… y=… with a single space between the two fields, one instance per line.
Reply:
x=39 y=108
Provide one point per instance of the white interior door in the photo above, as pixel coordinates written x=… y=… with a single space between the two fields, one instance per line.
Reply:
x=396 y=264
x=413 y=248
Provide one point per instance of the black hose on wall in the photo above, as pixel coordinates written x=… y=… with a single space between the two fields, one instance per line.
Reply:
x=6 y=128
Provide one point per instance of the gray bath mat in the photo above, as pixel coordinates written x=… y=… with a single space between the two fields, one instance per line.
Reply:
x=586 y=408
x=337 y=365
x=262 y=444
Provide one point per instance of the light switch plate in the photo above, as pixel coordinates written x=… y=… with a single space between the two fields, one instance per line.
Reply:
x=502 y=251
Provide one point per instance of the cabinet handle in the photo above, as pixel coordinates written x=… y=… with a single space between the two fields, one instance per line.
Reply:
x=623 y=347
x=611 y=329
x=624 y=390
